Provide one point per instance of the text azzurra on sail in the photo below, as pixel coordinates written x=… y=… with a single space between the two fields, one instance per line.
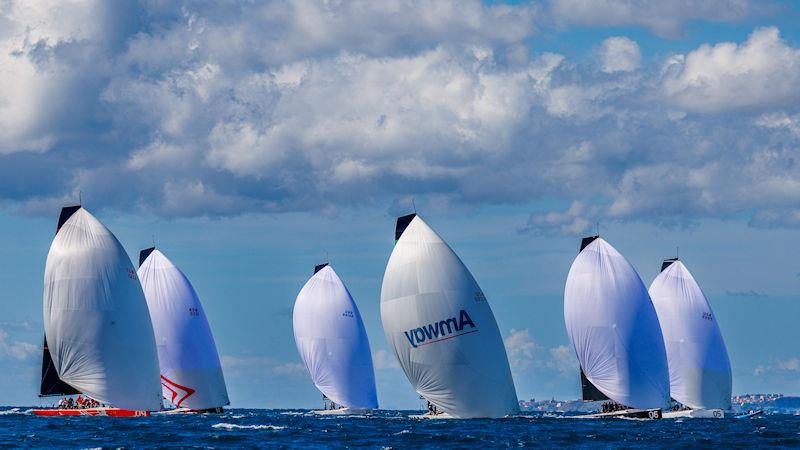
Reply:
x=439 y=331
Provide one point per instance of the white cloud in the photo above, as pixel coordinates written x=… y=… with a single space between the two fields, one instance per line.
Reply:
x=520 y=349
x=289 y=369
x=247 y=365
x=286 y=106
x=619 y=54
x=664 y=18
x=562 y=359
x=16 y=349
x=526 y=356
x=780 y=121
x=50 y=53
x=575 y=220
x=760 y=73
x=782 y=366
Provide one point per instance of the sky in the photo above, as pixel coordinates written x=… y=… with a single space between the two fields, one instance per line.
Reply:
x=253 y=140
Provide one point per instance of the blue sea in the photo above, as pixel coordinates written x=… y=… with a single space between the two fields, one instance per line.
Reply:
x=386 y=429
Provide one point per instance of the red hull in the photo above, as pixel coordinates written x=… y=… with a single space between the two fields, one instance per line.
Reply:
x=110 y=412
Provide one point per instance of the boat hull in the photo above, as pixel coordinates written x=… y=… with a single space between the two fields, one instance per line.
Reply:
x=217 y=410
x=649 y=414
x=429 y=416
x=695 y=413
x=341 y=412
x=108 y=412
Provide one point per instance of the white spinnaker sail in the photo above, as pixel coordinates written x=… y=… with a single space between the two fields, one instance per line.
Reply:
x=95 y=317
x=614 y=330
x=332 y=341
x=699 y=368
x=191 y=374
x=442 y=330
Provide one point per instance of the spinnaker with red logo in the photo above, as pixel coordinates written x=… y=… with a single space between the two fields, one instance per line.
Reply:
x=191 y=373
x=333 y=343
x=441 y=328
x=98 y=335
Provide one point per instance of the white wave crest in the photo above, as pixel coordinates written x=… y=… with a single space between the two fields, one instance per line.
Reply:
x=233 y=426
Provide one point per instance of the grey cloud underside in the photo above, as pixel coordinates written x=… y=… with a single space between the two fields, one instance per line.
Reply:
x=298 y=106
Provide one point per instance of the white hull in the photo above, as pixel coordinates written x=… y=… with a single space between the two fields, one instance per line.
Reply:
x=625 y=413
x=341 y=412
x=430 y=416
x=695 y=414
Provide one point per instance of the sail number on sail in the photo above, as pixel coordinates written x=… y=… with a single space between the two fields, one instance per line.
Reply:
x=440 y=331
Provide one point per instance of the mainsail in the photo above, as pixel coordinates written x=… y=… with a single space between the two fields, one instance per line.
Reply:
x=441 y=328
x=613 y=327
x=332 y=341
x=699 y=368
x=98 y=331
x=191 y=374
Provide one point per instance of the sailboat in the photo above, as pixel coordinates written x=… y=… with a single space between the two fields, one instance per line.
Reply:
x=699 y=368
x=191 y=373
x=98 y=335
x=614 y=330
x=442 y=331
x=333 y=344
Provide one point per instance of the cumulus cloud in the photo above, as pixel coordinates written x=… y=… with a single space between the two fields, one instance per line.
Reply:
x=289 y=369
x=562 y=359
x=575 y=220
x=526 y=356
x=748 y=294
x=520 y=349
x=286 y=106
x=664 y=18
x=761 y=73
x=781 y=366
x=248 y=365
x=619 y=54
x=18 y=350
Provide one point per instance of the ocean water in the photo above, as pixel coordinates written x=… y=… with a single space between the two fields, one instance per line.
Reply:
x=299 y=429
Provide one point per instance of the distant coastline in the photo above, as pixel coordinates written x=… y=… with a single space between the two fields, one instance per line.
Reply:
x=770 y=403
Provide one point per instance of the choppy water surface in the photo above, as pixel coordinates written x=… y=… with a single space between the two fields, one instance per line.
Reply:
x=276 y=428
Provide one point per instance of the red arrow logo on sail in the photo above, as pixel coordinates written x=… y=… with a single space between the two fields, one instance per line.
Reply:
x=176 y=390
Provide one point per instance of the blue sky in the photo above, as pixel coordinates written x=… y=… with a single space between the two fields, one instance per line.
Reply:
x=251 y=140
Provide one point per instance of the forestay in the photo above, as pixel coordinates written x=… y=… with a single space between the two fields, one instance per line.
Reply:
x=191 y=374
x=699 y=368
x=95 y=317
x=614 y=330
x=441 y=328
x=332 y=341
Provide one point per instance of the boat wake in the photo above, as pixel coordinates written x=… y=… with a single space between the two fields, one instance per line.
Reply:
x=12 y=411
x=233 y=426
